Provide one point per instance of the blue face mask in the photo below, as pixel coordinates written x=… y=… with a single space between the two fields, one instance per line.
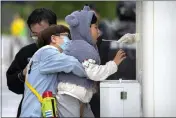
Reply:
x=66 y=43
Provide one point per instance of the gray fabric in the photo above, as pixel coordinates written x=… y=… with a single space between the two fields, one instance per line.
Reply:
x=81 y=52
x=79 y=22
x=70 y=107
x=81 y=46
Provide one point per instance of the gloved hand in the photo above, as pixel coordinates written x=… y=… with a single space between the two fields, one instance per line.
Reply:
x=128 y=39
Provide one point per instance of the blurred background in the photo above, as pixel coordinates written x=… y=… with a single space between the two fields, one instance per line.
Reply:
x=115 y=19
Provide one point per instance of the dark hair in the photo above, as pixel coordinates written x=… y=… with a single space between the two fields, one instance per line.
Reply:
x=42 y=14
x=45 y=35
x=94 y=19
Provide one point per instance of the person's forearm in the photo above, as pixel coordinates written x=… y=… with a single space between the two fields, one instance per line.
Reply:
x=61 y=63
x=100 y=72
x=78 y=70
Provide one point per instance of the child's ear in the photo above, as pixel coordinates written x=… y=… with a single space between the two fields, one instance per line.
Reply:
x=53 y=39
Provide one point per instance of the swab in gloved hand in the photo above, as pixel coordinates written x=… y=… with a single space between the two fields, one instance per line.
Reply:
x=128 y=39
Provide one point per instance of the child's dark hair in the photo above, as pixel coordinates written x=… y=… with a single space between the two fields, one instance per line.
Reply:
x=94 y=19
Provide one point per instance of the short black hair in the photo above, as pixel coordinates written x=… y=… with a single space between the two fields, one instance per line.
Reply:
x=94 y=19
x=42 y=14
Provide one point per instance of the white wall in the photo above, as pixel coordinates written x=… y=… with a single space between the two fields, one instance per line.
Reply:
x=158 y=33
x=165 y=58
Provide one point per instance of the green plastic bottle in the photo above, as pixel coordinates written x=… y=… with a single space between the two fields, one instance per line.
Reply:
x=49 y=107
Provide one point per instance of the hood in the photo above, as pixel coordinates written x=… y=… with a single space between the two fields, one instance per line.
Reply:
x=79 y=23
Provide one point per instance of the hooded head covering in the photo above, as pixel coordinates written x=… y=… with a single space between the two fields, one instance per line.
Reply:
x=82 y=41
x=79 y=22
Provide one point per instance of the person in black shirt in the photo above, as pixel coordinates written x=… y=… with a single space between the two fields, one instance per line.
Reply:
x=124 y=23
x=38 y=20
x=114 y=30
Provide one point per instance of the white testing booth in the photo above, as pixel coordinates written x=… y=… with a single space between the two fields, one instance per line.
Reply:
x=153 y=94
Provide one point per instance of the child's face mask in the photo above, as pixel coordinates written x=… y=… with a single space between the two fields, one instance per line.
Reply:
x=65 y=44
